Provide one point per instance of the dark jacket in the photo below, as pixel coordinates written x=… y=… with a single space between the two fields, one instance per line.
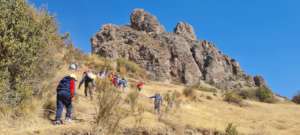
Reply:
x=157 y=99
x=66 y=86
x=86 y=80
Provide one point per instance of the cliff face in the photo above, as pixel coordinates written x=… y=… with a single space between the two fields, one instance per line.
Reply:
x=170 y=56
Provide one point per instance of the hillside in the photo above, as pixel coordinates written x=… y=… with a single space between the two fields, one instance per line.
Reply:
x=204 y=91
x=191 y=117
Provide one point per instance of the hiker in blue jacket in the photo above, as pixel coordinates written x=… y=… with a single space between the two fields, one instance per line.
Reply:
x=122 y=84
x=65 y=95
x=157 y=102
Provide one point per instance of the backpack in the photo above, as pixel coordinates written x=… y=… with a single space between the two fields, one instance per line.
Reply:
x=91 y=75
x=64 y=84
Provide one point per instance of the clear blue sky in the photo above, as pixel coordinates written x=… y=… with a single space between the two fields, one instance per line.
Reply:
x=263 y=35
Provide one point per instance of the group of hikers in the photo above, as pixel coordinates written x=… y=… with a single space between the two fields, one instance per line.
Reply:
x=66 y=90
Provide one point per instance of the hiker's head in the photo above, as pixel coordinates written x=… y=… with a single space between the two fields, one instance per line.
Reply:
x=157 y=94
x=73 y=67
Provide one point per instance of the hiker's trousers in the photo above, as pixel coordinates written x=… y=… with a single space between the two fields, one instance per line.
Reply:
x=63 y=100
x=88 y=89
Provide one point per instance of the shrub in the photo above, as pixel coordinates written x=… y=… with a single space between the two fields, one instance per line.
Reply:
x=27 y=37
x=264 y=94
x=209 y=98
x=172 y=100
x=231 y=130
x=132 y=99
x=296 y=98
x=132 y=68
x=190 y=92
x=109 y=110
x=232 y=97
x=248 y=94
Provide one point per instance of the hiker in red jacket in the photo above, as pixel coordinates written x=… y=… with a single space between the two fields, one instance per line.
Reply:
x=65 y=95
x=140 y=86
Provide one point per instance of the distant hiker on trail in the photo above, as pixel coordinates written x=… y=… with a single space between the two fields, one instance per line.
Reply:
x=157 y=102
x=140 y=86
x=122 y=84
x=88 y=79
x=65 y=95
x=102 y=74
x=115 y=80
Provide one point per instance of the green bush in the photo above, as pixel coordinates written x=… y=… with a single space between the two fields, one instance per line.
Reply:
x=265 y=95
x=132 y=68
x=233 y=97
x=27 y=40
x=231 y=130
x=248 y=94
x=296 y=98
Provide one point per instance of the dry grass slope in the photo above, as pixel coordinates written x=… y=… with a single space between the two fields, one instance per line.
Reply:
x=187 y=115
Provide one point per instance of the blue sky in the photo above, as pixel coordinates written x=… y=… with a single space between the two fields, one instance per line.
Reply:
x=263 y=35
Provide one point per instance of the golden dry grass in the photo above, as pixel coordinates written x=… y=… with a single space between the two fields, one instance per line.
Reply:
x=255 y=119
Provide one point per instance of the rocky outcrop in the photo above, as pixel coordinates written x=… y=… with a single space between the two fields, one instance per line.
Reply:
x=185 y=30
x=259 y=81
x=175 y=56
x=143 y=21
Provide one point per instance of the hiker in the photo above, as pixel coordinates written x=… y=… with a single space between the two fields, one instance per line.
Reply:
x=88 y=79
x=115 y=80
x=157 y=102
x=140 y=86
x=65 y=95
x=102 y=74
x=122 y=83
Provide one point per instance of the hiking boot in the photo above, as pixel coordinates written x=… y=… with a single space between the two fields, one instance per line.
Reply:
x=68 y=120
x=57 y=122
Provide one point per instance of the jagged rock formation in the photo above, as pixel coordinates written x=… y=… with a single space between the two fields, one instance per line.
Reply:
x=175 y=56
x=143 y=21
x=185 y=30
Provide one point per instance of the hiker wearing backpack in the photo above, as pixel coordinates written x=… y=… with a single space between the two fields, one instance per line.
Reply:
x=88 y=79
x=122 y=83
x=65 y=95
x=157 y=102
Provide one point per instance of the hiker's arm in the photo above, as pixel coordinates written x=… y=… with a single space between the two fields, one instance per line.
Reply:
x=81 y=82
x=152 y=97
